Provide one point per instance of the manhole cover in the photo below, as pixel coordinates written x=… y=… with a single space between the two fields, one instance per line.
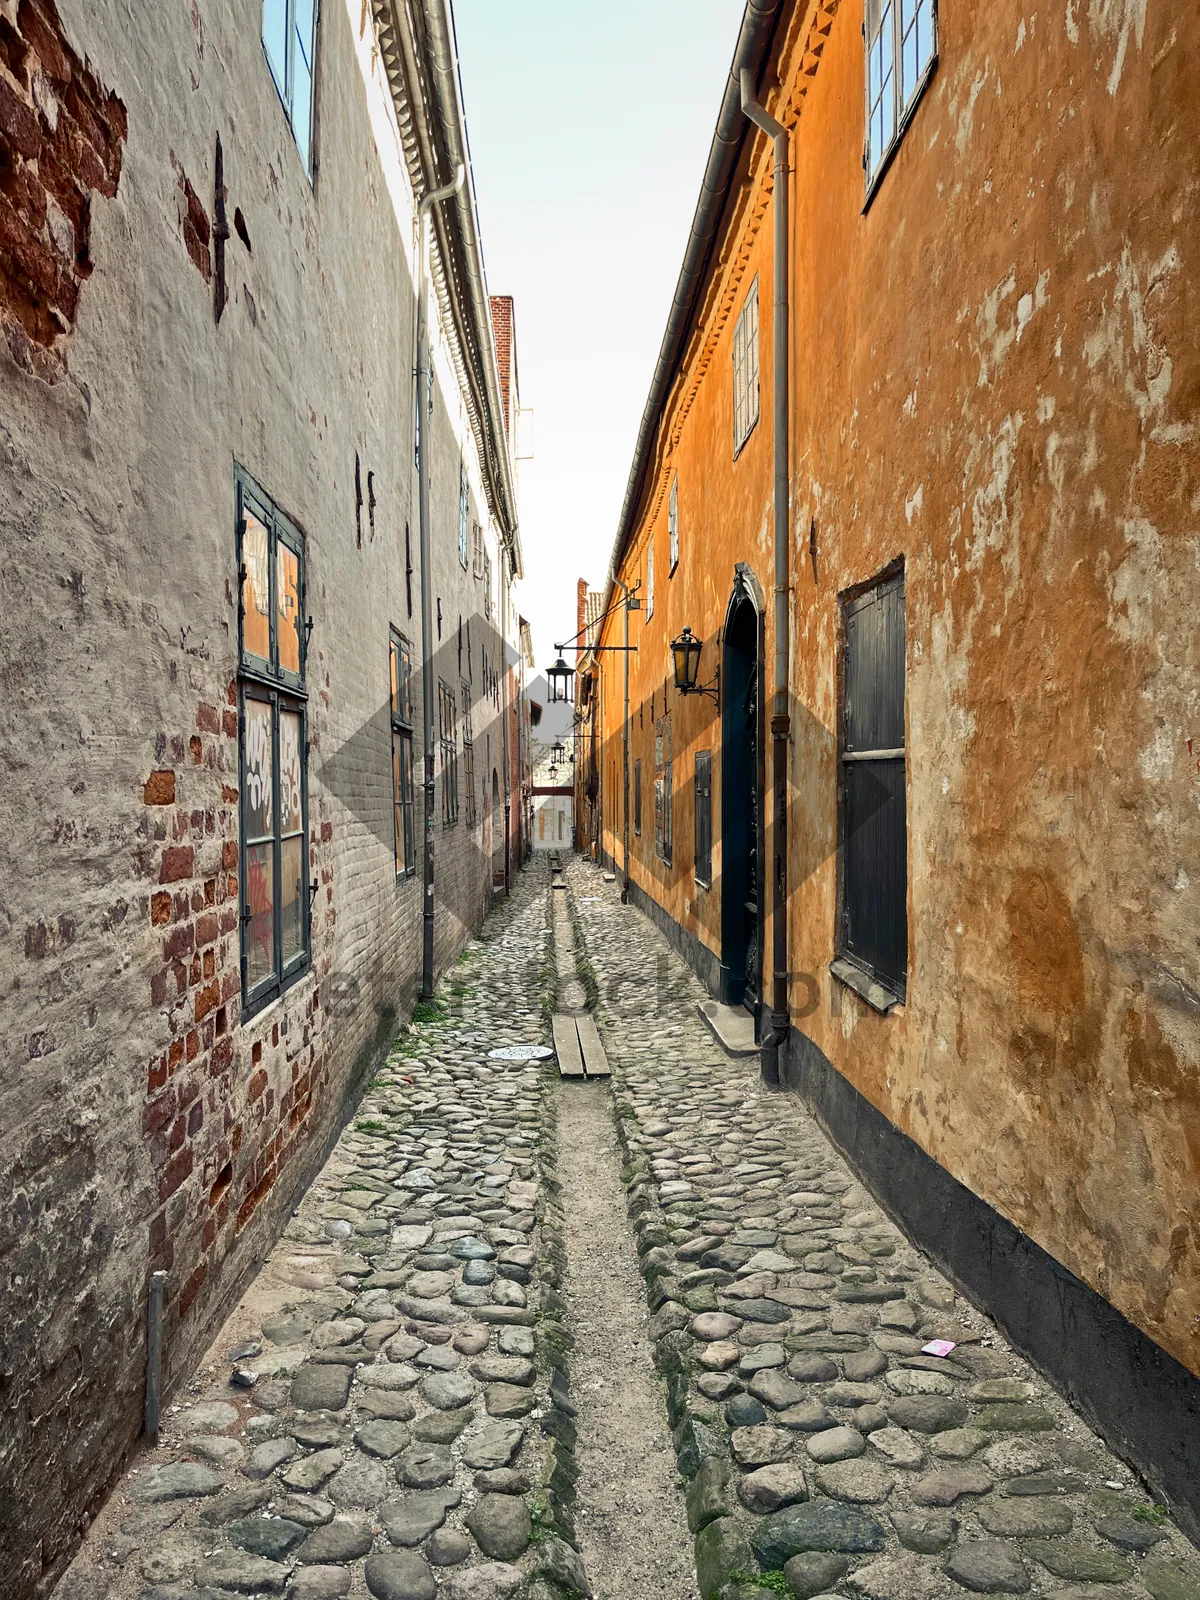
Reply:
x=521 y=1052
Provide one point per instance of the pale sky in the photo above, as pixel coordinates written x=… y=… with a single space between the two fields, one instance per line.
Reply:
x=590 y=127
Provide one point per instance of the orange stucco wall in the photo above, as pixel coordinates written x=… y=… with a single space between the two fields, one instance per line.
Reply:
x=996 y=376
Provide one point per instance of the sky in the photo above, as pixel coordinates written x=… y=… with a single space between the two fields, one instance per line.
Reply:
x=590 y=128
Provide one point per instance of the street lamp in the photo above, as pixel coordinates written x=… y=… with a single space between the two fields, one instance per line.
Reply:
x=558 y=753
x=685 y=655
x=559 y=679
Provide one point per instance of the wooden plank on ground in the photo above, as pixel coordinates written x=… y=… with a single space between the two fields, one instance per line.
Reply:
x=595 y=1062
x=566 y=1047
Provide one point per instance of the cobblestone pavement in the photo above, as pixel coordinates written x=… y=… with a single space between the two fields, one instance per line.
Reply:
x=409 y=1433
x=388 y=1411
x=820 y=1444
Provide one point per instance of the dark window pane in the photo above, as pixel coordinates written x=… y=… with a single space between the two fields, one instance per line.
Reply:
x=291 y=896
x=874 y=688
x=256 y=591
x=259 y=769
x=260 y=903
x=287 y=589
x=274 y=35
x=876 y=867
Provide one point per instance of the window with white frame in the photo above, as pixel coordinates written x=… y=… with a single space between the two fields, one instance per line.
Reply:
x=673 y=522
x=901 y=41
x=650 y=579
x=464 y=513
x=289 y=35
x=745 y=369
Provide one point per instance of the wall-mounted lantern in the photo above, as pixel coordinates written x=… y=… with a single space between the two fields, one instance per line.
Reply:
x=685 y=655
x=559 y=678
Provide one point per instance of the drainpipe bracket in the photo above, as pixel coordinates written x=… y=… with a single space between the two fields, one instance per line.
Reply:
x=781 y=726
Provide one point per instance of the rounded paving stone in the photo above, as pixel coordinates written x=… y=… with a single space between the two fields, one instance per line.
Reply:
x=944 y=1487
x=771 y=1488
x=899 y=1577
x=500 y=1525
x=359 y=1482
x=957 y=1444
x=743 y=1411
x=400 y=1575
x=714 y=1326
x=761 y=1446
x=862 y=1482
x=319 y=1583
x=811 y=1367
x=447 y=1390
x=897 y=1447
x=821 y=1525
x=212 y=1416
x=448 y=1547
x=343 y=1539
x=810 y=1575
x=988 y=1566
x=836 y=1444
x=382 y=1439
x=416 y=1516
x=182 y=1480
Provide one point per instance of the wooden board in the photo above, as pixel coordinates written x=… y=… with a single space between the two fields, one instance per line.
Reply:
x=594 y=1060
x=566 y=1047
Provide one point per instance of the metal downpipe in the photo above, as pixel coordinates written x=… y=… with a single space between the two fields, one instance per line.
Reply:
x=781 y=716
x=427 y=683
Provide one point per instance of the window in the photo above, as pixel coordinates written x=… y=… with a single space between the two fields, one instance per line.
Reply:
x=874 y=887
x=487 y=585
x=273 y=747
x=650 y=579
x=477 y=540
x=469 y=756
x=447 y=723
x=704 y=818
x=289 y=32
x=662 y=790
x=745 y=370
x=637 y=797
x=464 y=511
x=901 y=40
x=402 y=755
x=673 y=522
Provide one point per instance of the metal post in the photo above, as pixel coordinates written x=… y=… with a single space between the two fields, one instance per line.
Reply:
x=424 y=355
x=154 y=1330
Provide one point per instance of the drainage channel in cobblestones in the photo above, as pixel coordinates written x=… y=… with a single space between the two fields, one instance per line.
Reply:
x=825 y=1451
x=406 y=1430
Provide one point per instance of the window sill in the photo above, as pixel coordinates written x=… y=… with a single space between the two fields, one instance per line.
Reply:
x=877 y=995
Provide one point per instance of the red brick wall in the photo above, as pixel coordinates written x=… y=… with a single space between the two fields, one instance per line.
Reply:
x=61 y=139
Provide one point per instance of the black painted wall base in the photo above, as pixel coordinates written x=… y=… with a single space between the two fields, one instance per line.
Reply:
x=1143 y=1402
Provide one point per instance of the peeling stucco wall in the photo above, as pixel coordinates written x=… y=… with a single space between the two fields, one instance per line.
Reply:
x=143 y=1124
x=996 y=376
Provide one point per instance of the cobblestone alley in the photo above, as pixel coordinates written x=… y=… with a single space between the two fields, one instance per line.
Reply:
x=450 y=1379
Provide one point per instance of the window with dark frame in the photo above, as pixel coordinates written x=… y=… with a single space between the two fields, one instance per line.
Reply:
x=448 y=730
x=273 y=747
x=469 y=756
x=289 y=36
x=663 y=766
x=637 y=797
x=901 y=45
x=673 y=523
x=745 y=369
x=873 y=831
x=704 y=818
x=402 y=755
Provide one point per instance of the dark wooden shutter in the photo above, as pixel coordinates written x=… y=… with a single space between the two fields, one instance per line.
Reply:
x=704 y=816
x=875 y=841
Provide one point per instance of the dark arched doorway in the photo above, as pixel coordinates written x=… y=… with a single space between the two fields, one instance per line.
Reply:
x=741 y=809
x=496 y=831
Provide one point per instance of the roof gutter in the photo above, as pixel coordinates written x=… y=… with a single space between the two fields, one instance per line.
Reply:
x=443 y=56
x=759 y=23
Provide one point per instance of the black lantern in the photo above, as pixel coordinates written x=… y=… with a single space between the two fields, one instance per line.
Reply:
x=559 y=680
x=558 y=753
x=685 y=654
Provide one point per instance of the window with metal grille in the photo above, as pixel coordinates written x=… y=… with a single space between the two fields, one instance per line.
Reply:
x=704 y=818
x=901 y=42
x=874 y=855
x=469 y=756
x=673 y=523
x=745 y=369
x=289 y=36
x=273 y=747
x=663 y=764
x=464 y=514
x=447 y=725
x=637 y=797
x=402 y=754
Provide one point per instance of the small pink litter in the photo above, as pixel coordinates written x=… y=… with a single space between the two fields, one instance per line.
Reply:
x=937 y=1347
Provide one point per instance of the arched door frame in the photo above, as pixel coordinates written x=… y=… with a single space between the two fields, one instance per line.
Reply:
x=746 y=590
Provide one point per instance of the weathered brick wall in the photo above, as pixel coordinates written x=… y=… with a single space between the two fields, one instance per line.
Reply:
x=143 y=1123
